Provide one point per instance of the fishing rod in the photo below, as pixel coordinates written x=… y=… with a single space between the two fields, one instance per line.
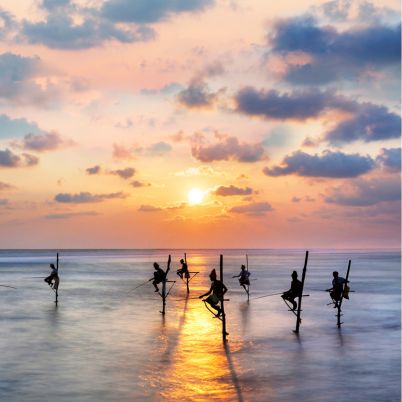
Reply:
x=142 y=284
x=6 y=286
x=273 y=294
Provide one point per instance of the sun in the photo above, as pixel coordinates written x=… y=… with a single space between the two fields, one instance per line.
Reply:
x=195 y=196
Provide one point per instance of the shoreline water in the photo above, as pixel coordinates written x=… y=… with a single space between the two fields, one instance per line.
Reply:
x=102 y=343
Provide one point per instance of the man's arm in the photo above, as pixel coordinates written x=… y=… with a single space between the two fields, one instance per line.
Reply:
x=206 y=294
x=225 y=289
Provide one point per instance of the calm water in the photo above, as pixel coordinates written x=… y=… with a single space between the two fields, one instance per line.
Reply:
x=103 y=343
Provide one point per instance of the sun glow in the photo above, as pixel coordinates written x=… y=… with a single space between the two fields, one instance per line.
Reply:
x=195 y=196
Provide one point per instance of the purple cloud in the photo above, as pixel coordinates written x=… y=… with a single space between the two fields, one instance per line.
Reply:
x=125 y=173
x=69 y=215
x=232 y=191
x=93 y=170
x=334 y=54
x=253 y=209
x=43 y=142
x=149 y=208
x=329 y=164
x=360 y=192
x=138 y=184
x=11 y=160
x=390 y=159
x=227 y=148
x=86 y=197
x=196 y=95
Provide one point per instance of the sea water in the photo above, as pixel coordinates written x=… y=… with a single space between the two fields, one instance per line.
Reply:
x=105 y=341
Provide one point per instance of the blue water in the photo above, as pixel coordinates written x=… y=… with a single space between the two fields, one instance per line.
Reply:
x=105 y=343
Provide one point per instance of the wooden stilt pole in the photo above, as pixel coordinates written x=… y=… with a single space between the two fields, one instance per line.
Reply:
x=57 y=270
x=339 y=323
x=187 y=274
x=164 y=287
x=298 y=319
x=224 y=333
x=248 y=286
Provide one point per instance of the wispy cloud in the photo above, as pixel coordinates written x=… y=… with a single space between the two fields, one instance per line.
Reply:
x=12 y=160
x=253 y=209
x=87 y=197
x=365 y=192
x=226 y=148
x=231 y=190
x=70 y=215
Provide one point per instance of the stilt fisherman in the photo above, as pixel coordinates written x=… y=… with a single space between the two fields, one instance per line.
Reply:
x=243 y=277
x=53 y=279
x=337 y=289
x=294 y=291
x=183 y=271
x=159 y=276
x=215 y=293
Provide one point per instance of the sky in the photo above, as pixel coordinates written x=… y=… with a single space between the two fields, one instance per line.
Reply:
x=200 y=124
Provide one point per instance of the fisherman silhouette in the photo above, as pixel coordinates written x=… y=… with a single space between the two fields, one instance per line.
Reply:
x=183 y=270
x=294 y=291
x=218 y=289
x=159 y=276
x=243 y=278
x=53 y=279
x=337 y=289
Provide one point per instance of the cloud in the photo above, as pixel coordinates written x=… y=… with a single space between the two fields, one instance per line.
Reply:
x=93 y=170
x=158 y=149
x=5 y=186
x=196 y=96
x=14 y=128
x=12 y=160
x=138 y=184
x=17 y=81
x=226 y=148
x=149 y=11
x=298 y=105
x=69 y=215
x=60 y=31
x=253 y=209
x=86 y=197
x=122 y=152
x=149 y=208
x=329 y=164
x=372 y=123
x=122 y=21
x=7 y=24
x=390 y=159
x=125 y=173
x=200 y=171
x=43 y=142
x=168 y=89
x=369 y=122
x=335 y=54
x=232 y=190
x=360 y=192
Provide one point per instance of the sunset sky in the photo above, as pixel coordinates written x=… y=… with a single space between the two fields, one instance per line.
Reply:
x=200 y=123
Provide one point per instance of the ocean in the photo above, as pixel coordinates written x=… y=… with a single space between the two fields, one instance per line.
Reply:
x=106 y=341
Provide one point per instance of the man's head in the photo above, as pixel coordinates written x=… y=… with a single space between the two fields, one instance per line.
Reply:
x=243 y=267
x=182 y=261
x=212 y=275
x=52 y=266
x=156 y=265
x=294 y=275
x=335 y=274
